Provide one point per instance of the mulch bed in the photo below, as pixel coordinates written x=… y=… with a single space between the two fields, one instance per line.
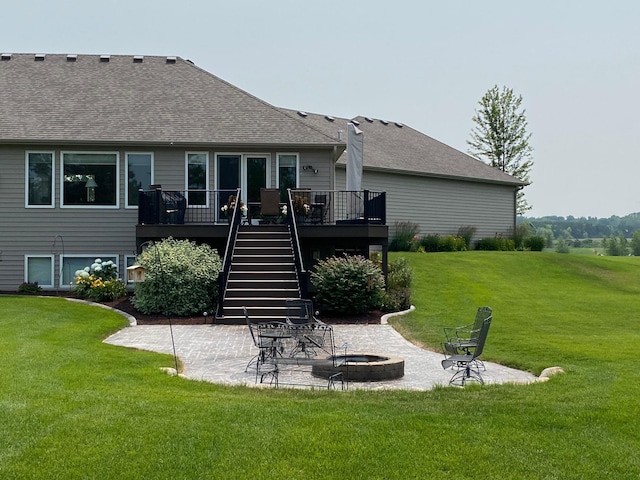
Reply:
x=125 y=305
x=372 y=317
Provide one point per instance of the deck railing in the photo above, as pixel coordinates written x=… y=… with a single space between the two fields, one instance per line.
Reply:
x=330 y=207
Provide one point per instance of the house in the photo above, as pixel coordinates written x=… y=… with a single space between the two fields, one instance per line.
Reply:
x=427 y=182
x=86 y=140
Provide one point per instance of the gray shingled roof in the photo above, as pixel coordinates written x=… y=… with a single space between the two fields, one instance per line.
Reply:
x=121 y=100
x=390 y=146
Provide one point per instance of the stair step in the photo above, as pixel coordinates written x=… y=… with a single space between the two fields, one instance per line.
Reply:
x=261 y=302
x=261 y=285
x=262 y=275
x=262 y=267
x=252 y=293
x=263 y=250
x=258 y=259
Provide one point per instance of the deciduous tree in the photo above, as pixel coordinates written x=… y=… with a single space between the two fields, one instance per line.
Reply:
x=500 y=137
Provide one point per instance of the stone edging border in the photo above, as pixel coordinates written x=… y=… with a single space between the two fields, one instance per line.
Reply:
x=384 y=319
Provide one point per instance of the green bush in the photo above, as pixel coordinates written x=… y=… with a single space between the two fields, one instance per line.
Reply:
x=535 y=243
x=496 y=243
x=398 y=294
x=616 y=246
x=99 y=282
x=562 y=246
x=348 y=285
x=181 y=278
x=467 y=234
x=449 y=243
x=635 y=243
x=29 y=288
x=521 y=233
x=405 y=239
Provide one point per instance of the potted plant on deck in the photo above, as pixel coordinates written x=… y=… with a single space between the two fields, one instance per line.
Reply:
x=300 y=208
x=228 y=208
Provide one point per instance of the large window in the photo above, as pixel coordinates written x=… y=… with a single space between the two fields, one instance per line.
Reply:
x=39 y=179
x=39 y=268
x=197 y=176
x=90 y=179
x=72 y=263
x=287 y=173
x=139 y=175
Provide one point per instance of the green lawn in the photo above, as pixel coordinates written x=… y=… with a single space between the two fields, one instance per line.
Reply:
x=73 y=407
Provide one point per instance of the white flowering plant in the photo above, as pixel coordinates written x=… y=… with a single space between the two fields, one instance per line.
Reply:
x=300 y=206
x=230 y=206
x=99 y=282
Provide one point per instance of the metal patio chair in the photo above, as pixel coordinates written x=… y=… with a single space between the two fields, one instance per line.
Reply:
x=464 y=339
x=268 y=345
x=466 y=364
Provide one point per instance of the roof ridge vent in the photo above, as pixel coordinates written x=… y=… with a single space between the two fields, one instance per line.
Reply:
x=355 y=122
x=105 y=58
x=329 y=117
x=39 y=57
x=5 y=56
x=72 y=58
x=369 y=119
x=171 y=59
x=138 y=58
x=302 y=114
x=399 y=125
x=384 y=122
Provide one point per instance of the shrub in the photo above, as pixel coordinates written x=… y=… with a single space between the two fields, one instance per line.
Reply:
x=405 y=239
x=467 y=233
x=430 y=243
x=29 y=288
x=635 y=243
x=495 y=243
x=398 y=295
x=562 y=246
x=535 y=243
x=616 y=247
x=521 y=233
x=436 y=243
x=181 y=278
x=348 y=285
x=99 y=282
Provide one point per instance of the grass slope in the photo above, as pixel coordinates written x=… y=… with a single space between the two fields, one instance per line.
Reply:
x=73 y=407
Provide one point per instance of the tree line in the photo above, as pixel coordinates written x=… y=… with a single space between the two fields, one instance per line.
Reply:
x=580 y=228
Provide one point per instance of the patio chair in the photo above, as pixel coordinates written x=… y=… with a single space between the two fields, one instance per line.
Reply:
x=270 y=202
x=319 y=208
x=466 y=364
x=462 y=339
x=267 y=345
x=299 y=310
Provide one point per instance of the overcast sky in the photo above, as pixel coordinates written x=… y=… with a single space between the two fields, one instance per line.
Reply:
x=422 y=63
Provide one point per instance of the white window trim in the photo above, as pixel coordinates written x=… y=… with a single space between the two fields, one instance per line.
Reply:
x=26 y=179
x=93 y=207
x=297 y=155
x=186 y=178
x=126 y=175
x=103 y=256
x=26 y=268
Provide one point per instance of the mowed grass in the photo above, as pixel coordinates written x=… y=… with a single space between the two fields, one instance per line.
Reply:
x=74 y=407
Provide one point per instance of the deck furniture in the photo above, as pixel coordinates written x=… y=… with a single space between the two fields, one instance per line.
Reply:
x=270 y=202
x=466 y=364
x=465 y=338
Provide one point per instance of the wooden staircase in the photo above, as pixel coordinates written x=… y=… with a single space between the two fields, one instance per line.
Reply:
x=262 y=275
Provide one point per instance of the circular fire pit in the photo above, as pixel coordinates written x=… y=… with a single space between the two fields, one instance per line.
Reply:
x=361 y=367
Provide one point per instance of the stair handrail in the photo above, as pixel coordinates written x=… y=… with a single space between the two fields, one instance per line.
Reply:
x=297 y=251
x=223 y=277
